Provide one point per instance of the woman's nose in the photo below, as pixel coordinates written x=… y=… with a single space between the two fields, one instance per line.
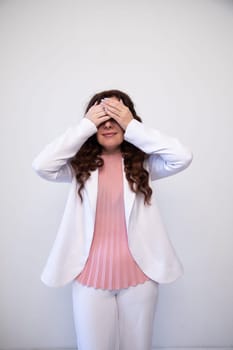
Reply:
x=108 y=123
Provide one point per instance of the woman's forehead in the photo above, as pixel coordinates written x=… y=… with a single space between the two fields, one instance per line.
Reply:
x=113 y=98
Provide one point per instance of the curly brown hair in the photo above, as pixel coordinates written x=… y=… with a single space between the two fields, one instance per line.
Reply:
x=88 y=158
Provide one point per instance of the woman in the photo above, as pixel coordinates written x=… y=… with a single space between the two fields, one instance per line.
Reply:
x=111 y=243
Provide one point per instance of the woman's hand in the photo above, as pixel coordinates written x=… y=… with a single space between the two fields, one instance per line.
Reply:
x=97 y=114
x=118 y=111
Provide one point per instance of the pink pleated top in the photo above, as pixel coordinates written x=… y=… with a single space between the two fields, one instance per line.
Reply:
x=110 y=264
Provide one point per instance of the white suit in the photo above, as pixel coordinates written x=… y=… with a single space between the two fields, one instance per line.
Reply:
x=148 y=240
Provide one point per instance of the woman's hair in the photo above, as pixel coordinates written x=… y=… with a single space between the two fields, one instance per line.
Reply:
x=88 y=158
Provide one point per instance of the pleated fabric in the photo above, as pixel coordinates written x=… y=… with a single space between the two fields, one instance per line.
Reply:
x=110 y=264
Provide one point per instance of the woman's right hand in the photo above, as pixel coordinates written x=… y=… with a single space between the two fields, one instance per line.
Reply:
x=97 y=114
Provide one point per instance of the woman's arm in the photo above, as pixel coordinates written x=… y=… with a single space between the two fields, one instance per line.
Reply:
x=52 y=163
x=168 y=155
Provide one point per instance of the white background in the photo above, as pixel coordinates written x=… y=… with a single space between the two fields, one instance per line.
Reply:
x=174 y=58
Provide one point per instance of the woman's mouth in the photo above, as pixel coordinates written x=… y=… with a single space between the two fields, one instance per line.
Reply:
x=109 y=134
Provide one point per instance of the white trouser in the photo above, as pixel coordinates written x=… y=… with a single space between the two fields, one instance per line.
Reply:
x=114 y=320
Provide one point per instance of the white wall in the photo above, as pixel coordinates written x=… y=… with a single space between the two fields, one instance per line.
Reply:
x=175 y=60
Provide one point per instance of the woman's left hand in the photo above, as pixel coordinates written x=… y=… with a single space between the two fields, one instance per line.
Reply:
x=118 y=111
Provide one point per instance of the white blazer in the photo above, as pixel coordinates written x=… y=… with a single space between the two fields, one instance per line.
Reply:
x=148 y=241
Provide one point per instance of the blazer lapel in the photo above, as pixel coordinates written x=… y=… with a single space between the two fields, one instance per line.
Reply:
x=129 y=197
x=92 y=189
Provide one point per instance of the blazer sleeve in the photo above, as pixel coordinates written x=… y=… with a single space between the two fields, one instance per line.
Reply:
x=52 y=163
x=167 y=155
